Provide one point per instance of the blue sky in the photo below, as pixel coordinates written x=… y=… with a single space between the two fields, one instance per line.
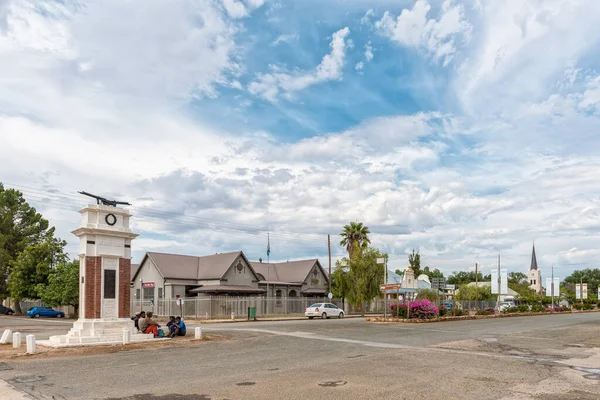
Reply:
x=462 y=129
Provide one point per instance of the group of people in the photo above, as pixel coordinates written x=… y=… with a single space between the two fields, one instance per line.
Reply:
x=145 y=324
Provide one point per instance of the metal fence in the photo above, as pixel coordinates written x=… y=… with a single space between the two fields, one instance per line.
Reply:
x=473 y=305
x=220 y=307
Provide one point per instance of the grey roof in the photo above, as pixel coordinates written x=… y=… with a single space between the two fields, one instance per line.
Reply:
x=177 y=266
x=533 y=260
x=290 y=271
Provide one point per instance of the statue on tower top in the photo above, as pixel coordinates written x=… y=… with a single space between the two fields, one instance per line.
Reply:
x=103 y=201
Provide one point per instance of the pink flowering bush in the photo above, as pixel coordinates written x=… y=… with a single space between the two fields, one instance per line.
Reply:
x=423 y=309
x=555 y=309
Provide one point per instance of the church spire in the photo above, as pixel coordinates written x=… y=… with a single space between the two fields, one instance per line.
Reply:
x=534 y=266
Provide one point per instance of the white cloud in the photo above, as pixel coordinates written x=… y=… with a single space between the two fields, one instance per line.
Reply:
x=285 y=38
x=359 y=66
x=368 y=51
x=235 y=9
x=521 y=50
x=254 y=4
x=270 y=86
x=436 y=36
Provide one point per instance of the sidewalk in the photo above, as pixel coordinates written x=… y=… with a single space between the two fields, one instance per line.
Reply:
x=8 y=392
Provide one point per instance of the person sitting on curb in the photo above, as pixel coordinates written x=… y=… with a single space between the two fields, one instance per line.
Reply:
x=181 y=326
x=151 y=326
x=139 y=318
x=173 y=327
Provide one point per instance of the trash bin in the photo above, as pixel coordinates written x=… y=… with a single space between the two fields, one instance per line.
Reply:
x=251 y=313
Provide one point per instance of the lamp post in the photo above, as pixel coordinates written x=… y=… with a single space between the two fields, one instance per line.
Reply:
x=141 y=294
x=383 y=261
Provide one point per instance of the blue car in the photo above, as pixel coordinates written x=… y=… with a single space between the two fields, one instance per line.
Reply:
x=37 y=312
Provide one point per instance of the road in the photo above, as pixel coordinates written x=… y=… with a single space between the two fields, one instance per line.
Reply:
x=508 y=358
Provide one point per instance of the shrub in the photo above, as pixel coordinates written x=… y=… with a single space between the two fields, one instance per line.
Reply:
x=423 y=309
x=443 y=311
x=510 y=310
x=537 y=308
x=523 y=308
x=555 y=309
x=580 y=306
x=484 y=312
x=457 y=312
x=398 y=310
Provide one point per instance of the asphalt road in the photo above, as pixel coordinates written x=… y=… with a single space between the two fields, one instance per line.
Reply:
x=509 y=358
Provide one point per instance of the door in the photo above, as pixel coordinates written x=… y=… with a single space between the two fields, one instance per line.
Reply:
x=331 y=310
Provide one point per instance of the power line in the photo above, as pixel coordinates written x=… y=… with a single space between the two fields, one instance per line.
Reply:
x=182 y=220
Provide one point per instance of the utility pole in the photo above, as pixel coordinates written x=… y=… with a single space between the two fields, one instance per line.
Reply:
x=552 y=288
x=476 y=289
x=499 y=282
x=329 y=252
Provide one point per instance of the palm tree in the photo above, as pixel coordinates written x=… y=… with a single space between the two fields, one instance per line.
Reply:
x=355 y=234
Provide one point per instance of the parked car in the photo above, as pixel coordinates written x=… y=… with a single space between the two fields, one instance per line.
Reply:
x=6 y=311
x=324 y=310
x=37 y=312
x=505 y=305
x=446 y=304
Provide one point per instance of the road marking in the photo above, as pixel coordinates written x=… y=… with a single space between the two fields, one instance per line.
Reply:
x=312 y=336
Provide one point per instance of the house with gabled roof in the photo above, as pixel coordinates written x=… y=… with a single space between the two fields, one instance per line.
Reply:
x=292 y=279
x=168 y=276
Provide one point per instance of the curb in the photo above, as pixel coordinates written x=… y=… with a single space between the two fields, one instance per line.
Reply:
x=471 y=317
x=233 y=321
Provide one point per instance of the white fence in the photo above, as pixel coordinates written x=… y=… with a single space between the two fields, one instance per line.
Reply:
x=219 y=307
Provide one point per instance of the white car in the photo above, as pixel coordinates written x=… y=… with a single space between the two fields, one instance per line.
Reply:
x=324 y=310
x=505 y=305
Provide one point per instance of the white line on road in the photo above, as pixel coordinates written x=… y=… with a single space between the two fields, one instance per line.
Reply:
x=312 y=336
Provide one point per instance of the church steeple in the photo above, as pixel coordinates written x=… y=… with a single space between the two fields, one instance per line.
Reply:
x=534 y=266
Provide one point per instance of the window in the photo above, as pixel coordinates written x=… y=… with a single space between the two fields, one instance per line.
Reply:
x=110 y=281
x=534 y=282
x=278 y=297
x=137 y=293
x=148 y=293
x=160 y=293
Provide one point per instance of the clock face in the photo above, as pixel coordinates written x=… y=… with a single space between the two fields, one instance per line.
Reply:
x=110 y=219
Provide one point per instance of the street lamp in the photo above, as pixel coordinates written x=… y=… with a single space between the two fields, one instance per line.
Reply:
x=383 y=261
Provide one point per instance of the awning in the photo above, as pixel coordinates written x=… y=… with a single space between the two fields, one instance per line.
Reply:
x=313 y=291
x=227 y=289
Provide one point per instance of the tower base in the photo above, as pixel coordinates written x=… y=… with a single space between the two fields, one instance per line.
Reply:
x=101 y=331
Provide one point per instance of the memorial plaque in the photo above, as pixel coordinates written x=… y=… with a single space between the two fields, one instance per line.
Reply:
x=110 y=283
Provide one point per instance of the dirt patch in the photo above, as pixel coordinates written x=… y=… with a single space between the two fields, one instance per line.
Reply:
x=8 y=353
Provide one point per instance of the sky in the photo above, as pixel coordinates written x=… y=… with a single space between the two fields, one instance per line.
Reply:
x=461 y=129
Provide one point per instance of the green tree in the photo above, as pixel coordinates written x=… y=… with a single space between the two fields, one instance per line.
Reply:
x=20 y=226
x=359 y=282
x=589 y=276
x=414 y=261
x=429 y=294
x=436 y=273
x=32 y=267
x=468 y=292
x=63 y=286
x=355 y=236
x=463 y=277
x=517 y=278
